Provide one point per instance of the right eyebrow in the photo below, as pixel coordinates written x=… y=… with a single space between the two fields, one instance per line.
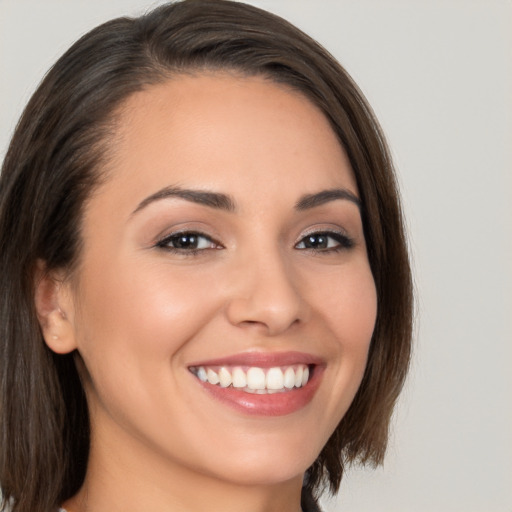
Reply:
x=203 y=197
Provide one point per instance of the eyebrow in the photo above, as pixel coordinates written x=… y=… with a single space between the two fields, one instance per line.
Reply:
x=224 y=202
x=205 y=198
x=325 y=196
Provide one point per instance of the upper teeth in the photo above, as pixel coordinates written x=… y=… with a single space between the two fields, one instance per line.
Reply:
x=255 y=379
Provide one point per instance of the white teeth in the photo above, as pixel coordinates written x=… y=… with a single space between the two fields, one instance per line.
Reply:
x=224 y=378
x=298 y=376
x=305 y=376
x=213 y=378
x=275 y=378
x=239 y=378
x=255 y=379
x=289 y=378
x=201 y=374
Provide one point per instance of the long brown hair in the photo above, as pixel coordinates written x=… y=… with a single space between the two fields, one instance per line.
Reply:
x=54 y=161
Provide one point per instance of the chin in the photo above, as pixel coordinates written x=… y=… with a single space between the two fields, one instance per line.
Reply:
x=266 y=474
x=265 y=465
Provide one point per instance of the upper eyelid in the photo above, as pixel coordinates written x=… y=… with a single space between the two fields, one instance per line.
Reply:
x=326 y=230
x=177 y=231
x=174 y=234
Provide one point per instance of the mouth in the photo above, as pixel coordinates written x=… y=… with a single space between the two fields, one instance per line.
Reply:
x=261 y=384
x=277 y=379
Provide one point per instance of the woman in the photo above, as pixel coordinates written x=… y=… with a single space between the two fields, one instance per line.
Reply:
x=206 y=292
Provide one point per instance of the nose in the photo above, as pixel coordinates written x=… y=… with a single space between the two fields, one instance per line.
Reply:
x=266 y=296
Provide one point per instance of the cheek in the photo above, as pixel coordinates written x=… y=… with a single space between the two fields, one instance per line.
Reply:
x=359 y=299
x=139 y=316
x=137 y=322
x=349 y=307
x=355 y=330
x=348 y=312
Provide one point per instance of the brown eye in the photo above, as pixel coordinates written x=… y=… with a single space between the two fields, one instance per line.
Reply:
x=187 y=241
x=325 y=241
x=316 y=241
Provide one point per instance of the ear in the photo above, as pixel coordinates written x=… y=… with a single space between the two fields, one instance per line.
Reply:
x=54 y=308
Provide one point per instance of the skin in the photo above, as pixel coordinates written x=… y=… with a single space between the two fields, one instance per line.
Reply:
x=140 y=315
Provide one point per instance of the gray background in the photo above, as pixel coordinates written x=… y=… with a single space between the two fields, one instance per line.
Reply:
x=439 y=76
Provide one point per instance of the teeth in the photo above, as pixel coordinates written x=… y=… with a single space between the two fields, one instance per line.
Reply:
x=275 y=379
x=224 y=378
x=289 y=378
x=201 y=374
x=239 y=378
x=213 y=378
x=254 y=379
x=298 y=376
x=305 y=376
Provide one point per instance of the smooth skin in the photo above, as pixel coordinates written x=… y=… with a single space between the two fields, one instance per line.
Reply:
x=260 y=275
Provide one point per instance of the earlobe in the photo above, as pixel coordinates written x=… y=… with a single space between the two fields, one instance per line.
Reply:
x=53 y=306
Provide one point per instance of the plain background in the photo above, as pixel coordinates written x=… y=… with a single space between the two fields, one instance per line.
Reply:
x=439 y=76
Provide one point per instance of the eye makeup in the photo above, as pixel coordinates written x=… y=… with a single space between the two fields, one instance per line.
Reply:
x=188 y=243
x=325 y=241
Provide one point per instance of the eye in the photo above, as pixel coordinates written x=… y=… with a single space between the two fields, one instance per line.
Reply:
x=325 y=241
x=187 y=242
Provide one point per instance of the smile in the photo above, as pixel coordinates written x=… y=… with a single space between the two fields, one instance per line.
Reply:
x=262 y=384
x=278 y=379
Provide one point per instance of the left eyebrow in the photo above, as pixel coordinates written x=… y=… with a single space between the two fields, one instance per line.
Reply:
x=325 y=196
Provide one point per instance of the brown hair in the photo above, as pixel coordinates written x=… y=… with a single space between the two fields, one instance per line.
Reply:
x=55 y=159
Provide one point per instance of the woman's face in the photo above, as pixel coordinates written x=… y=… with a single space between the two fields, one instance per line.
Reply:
x=226 y=244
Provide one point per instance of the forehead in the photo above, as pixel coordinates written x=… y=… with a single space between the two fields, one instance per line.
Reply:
x=220 y=130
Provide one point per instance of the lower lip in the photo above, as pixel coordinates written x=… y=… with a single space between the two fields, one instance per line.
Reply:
x=275 y=404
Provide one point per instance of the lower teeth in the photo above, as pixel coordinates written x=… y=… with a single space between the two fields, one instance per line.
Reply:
x=262 y=391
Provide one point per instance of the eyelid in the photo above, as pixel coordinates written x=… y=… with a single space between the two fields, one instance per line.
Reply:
x=324 y=229
x=163 y=241
x=344 y=240
x=179 y=227
x=340 y=235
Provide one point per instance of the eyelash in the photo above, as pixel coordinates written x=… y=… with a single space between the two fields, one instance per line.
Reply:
x=342 y=242
x=166 y=242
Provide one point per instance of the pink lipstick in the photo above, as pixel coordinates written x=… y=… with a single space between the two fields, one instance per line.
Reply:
x=268 y=384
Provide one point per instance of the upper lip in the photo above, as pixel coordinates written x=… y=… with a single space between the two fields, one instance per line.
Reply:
x=263 y=359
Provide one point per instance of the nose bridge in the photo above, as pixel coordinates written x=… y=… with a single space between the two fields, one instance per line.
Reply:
x=266 y=292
